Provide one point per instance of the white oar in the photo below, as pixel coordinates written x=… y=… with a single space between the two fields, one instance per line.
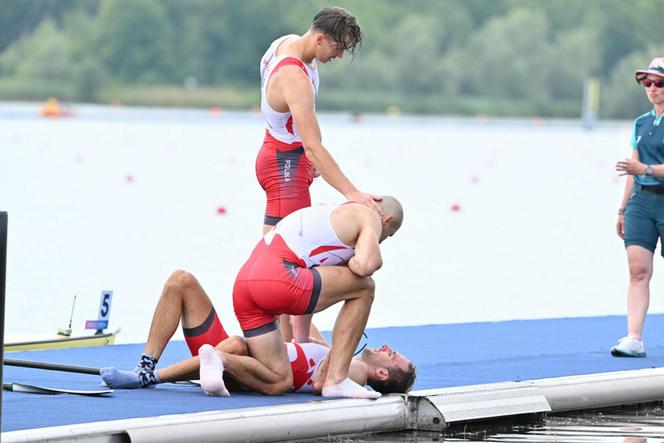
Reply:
x=20 y=387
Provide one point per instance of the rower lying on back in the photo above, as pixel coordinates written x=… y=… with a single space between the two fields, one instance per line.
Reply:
x=384 y=369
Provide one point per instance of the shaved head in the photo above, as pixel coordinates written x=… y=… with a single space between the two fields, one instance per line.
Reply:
x=392 y=208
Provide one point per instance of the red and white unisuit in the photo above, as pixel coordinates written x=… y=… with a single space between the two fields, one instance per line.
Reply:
x=305 y=359
x=280 y=124
x=282 y=168
x=280 y=276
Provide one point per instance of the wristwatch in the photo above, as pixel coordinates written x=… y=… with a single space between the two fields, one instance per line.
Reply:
x=649 y=170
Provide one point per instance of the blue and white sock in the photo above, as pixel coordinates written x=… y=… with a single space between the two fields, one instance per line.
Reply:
x=119 y=379
x=148 y=378
x=147 y=363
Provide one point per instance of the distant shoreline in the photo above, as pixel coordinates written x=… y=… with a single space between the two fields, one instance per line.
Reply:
x=20 y=109
x=248 y=98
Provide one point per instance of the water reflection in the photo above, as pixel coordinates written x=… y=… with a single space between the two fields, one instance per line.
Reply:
x=633 y=424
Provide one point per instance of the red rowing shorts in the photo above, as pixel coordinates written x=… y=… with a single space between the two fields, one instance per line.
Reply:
x=211 y=332
x=273 y=281
x=285 y=173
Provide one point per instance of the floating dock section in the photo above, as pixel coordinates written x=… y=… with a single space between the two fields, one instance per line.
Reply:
x=427 y=410
x=465 y=373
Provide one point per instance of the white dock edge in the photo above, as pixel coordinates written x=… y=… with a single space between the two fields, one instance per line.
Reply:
x=431 y=410
x=263 y=424
x=603 y=389
x=438 y=407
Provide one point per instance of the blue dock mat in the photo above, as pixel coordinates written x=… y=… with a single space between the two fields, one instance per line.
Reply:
x=445 y=356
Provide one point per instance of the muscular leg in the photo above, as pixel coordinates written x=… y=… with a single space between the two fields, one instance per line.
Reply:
x=638 y=295
x=248 y=371
x=314 y=333
x=341 y=284
x=268 y=370
x=189 y=369
x=183 y=370
x=182 y=298
x=286 y=327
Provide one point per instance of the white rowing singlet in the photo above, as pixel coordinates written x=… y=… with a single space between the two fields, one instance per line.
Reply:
x=308 y=232
x=305 y=358
x=280 y=124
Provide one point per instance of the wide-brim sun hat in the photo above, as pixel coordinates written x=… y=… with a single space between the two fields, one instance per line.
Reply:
x=656 y=67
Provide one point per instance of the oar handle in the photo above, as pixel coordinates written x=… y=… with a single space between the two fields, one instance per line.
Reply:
x=51 y=366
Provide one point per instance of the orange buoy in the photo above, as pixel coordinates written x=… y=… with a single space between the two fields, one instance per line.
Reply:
x=53 y=108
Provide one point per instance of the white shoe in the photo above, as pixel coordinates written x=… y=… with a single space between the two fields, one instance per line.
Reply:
x=629 y=347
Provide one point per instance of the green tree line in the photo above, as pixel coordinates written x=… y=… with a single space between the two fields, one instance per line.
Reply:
x=463 y=57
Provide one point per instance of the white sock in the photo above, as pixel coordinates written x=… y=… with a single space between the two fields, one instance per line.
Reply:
x=348 y=388
x=211 y=372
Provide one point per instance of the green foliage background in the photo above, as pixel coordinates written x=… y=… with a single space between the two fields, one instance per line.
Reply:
x=462 y=57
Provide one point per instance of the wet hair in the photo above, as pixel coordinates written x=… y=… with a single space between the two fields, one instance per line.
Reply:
x=337 y=24
x=397 y=381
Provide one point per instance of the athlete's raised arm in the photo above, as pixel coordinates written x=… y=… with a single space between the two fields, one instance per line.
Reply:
x=298 y=94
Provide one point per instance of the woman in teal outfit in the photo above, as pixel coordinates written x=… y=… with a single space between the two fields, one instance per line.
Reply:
x=641 y=213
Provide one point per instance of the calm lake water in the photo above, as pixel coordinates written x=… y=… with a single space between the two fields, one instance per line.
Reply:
x=504 y=219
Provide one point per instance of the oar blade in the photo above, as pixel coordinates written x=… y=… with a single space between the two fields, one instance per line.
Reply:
x=31 y=389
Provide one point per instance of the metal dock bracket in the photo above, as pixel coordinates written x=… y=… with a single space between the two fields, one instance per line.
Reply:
x=436 y=409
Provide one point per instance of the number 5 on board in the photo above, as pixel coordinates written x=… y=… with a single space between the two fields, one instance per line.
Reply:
x=104 y=313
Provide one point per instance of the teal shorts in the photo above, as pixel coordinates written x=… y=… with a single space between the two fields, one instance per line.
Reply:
x=644 y=219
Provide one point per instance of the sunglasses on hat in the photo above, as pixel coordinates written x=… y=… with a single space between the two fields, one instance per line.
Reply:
x=647 y=83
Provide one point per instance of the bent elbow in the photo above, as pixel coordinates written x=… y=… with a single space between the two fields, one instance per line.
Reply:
x=367 y=268
x=278 y=387
x=310 y=152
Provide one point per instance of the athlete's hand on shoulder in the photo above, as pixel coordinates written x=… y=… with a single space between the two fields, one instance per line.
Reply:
x=366 y=199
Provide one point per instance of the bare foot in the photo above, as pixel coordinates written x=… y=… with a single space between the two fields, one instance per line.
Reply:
x=348 y=388
x=211 y=372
